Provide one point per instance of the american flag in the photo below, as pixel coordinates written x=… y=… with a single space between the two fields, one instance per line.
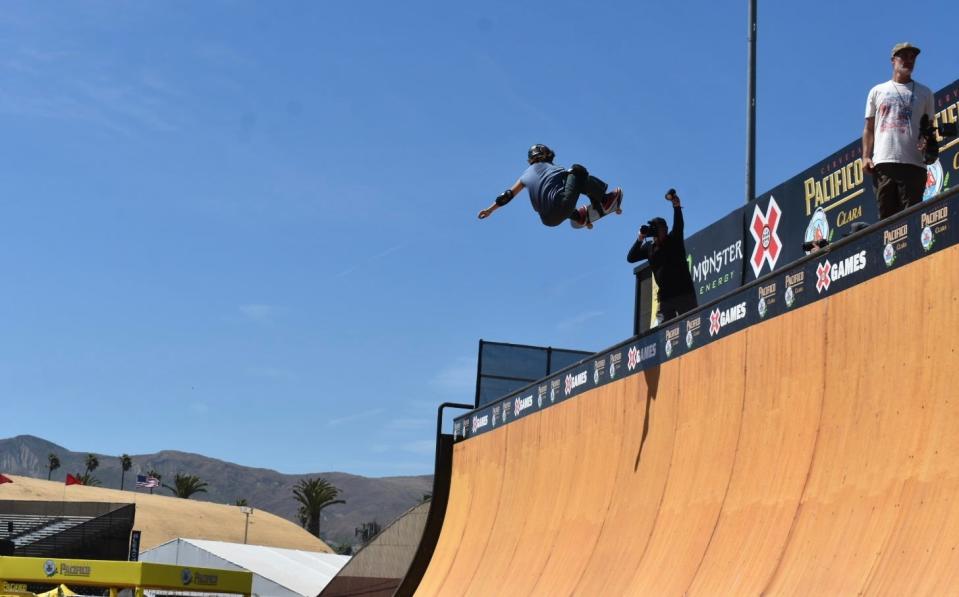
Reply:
x=147 y=482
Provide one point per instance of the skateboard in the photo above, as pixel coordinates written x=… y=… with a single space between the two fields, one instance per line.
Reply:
x=592 y=214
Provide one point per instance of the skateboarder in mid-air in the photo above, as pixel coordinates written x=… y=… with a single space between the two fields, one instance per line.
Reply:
x=554 y=191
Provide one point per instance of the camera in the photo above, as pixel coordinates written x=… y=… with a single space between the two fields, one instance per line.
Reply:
x=927 y=133
x=808 y=246
x=649 y=228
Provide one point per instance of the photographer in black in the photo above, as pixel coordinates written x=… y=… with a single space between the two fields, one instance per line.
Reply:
x=667 y=258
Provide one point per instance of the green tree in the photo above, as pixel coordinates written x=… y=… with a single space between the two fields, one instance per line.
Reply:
x=126 y=463
x=92 y=462
x=314 y=494
x=87 y=478
x=241 y=502
x=185 y=486
x=53 y=463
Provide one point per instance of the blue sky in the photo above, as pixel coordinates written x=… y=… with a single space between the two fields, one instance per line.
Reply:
x=248 y=229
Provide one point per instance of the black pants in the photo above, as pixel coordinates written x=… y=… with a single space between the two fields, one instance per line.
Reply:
x=897 y=187
x=675 y=306
x=578 y=182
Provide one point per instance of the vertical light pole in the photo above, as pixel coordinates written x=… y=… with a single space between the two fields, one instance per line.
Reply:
x=246 y=510
x=751 y=107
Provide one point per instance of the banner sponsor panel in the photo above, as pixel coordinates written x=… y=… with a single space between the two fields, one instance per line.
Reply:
x=819 y=275
x=826 y=199
x=715 y=257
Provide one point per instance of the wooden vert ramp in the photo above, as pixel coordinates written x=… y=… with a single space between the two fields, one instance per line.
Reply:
x=816 y=453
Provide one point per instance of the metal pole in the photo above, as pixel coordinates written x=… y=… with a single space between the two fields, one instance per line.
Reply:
x=439 y=428
x=479 y=371
x=246 y=529
x=751 y=107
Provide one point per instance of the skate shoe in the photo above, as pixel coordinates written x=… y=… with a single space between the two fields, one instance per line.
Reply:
x=580 y=218
x=612 y=200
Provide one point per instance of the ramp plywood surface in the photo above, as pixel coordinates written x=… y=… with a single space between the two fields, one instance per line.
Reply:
x=814 y=454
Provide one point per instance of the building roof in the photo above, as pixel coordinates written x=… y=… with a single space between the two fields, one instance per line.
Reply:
x=303 y=572
x=162 y=518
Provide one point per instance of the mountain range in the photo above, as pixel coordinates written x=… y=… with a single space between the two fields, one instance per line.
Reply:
x=368 y=499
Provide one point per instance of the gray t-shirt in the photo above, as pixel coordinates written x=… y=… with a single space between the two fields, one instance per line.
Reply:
x=898 y=109
x=543 y=181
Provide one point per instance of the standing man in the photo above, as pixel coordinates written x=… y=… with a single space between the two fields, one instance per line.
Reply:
x=892 y=147
x=667 y=258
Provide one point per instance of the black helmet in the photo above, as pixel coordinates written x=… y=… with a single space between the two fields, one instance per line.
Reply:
x=539 y=153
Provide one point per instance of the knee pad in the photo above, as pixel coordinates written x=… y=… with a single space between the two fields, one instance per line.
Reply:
x=578 y=171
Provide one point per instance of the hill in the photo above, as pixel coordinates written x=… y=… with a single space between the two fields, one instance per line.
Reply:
x=162 y=518
x=367 y=499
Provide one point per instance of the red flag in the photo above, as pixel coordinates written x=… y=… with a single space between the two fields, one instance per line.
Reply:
x=5 y=479
x=71 y=480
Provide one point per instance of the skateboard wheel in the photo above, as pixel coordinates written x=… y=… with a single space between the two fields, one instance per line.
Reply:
x=619 y=211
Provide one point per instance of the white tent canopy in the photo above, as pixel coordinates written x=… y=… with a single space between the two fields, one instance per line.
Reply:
x=276 y=572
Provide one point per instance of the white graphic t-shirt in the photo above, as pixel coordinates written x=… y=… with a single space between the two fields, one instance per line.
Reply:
x=897 y=109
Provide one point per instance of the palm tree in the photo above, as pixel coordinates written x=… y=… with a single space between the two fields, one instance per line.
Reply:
x=314 y=495
x=87 y=478
x=241 y=502
x=53 y=463
x=186 y=485
x=92 y=463
x=126 y=463
x=155 y=475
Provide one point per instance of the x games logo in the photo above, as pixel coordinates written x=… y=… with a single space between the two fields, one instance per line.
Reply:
x=714 y=322
x=822 y=276
x=765 y=232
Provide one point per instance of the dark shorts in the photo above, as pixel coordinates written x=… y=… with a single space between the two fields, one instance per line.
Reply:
x=897 y=187
x=675 y=306
x=563 y=200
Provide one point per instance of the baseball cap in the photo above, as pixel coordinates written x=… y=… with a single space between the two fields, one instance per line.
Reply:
x=903 y=46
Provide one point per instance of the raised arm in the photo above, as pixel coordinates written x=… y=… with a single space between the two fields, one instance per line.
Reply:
x=639 y=250
x=503 y=198
x=677 y=230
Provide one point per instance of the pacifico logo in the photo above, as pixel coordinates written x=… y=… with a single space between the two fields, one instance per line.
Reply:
x=933 y=223
x=720 y=319
x=50 y=568
x=765 y=232
x=827 y=273
x=573 y=382
x=934 y=181
x=188 y=577
x=598 y=367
